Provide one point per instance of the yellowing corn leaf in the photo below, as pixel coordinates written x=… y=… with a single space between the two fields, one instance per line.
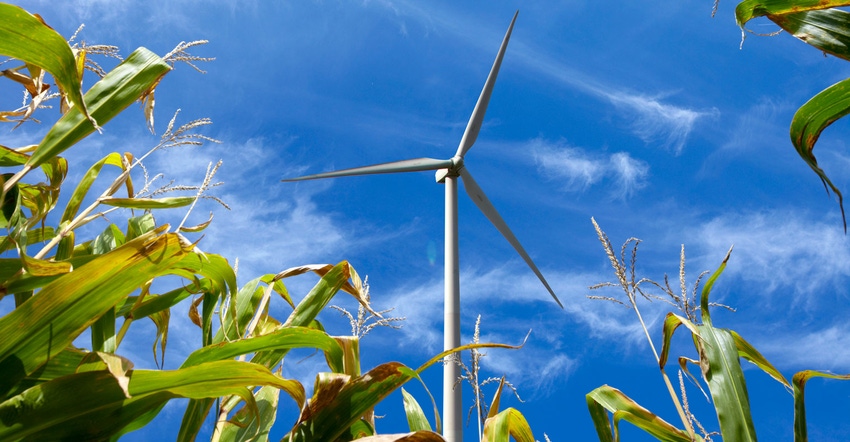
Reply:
x=416 y=419
x=59 y=312
x=505 y=425
x=799 y=380
x=27 y=38
x=624 y=408
x=122 y=86
x=417 y=436
x=56 y=411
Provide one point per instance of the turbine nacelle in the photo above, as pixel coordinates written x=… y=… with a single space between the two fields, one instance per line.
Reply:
x=453 y=170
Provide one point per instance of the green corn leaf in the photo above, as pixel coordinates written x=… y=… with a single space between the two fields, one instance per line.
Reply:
x=157 y=303
x=748 y=352
x=826 y=29
x=235 y=322
x=103 y=333
x=286 y=338
x=83 y=187
x=508 y=424
x=750 y=9
x=624 y=408
x=10 y=157
x=799 y=380
x=27 y=38
x=809 y=122
x=721 y=368
x=59 y=312
x=149 y=203
x=722 y=371
x=63 y=364
x=108 y=240
x=599 y=416
x=416 y=419
x=130 y=80
x=65 y=248
x=706 y=290
x=244 y=425
x=139 y=225
x=246 y=301
x=56 y=410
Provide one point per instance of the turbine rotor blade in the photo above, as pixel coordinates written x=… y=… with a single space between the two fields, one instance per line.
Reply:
x=477 y=117
x=484 y=204
x=413 y=165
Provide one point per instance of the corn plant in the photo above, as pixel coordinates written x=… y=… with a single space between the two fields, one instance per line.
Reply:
x=719 y=360
x=824 y=26
x=65 y=284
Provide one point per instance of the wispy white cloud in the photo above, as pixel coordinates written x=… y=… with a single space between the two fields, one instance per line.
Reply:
x=631 y=174
x=579 y=169
x=650 y=118
x=778 y=249
x=654 y=121
x=532 y=370
x=823 y=349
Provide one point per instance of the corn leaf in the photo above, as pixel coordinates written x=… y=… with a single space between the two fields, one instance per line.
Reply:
x=350 y=346
x=286 y=338
x=748 y=352
x=111 y=238
x=721 y=368
x=418 y=436
x=103 y=333
x=49 y=321
x=624 y=408
x=139 y=225
x=83 y=187
x=63 y=364
x=671 y=322
x=149 y=203
x=10 y=157
x=25 y=281
x=416 y=419
x=27 y=38
x=161 y=319
x=247 y=299
x=750 y=9
x=327 y=417
x=122 y=86
x=826 y=29
x=812 y=118
x=508 y=424
x=244 y=425
x=799 y=380
x=92 y=406
x=42 y=267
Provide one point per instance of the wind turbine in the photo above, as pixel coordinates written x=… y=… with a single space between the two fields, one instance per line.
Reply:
x=448 y=172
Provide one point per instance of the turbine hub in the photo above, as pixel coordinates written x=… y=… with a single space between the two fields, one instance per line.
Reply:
x=452 y=171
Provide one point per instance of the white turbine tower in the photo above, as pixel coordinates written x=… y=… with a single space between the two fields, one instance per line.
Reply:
x=448 y=172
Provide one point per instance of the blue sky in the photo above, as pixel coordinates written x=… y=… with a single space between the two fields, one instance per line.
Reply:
x=648 y=117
